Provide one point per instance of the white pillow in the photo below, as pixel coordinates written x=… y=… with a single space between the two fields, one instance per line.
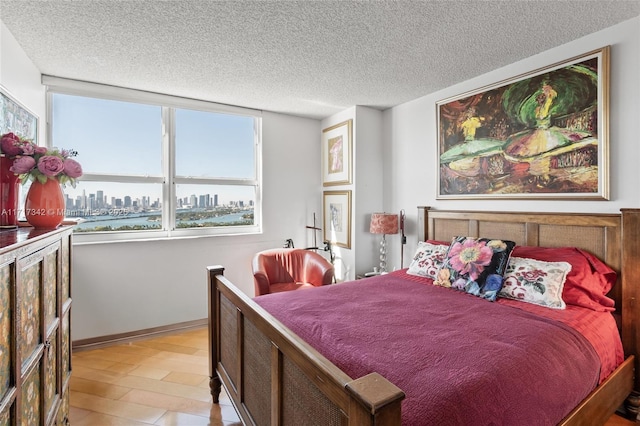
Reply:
x=428 y=259
x=535 y=281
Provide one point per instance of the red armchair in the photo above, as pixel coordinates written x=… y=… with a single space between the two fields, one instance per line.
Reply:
x=289 y=269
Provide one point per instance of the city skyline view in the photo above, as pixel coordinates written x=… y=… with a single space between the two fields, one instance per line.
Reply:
x=151 y=194
x=124 y=149
x=101 y=200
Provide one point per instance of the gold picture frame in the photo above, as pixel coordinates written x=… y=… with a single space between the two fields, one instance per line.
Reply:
x=540 y=135
x=337 y=218
x=336 y=154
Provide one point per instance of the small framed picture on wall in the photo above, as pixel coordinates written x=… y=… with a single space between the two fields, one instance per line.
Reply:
x=336 y=154
x=337 y=218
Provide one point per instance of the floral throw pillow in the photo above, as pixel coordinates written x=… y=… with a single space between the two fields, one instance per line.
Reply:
x=428 y=259
x=476 y=266
x=536 y=281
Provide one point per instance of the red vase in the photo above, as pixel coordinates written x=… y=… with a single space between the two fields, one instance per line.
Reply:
x=9 y=187
x=44 y=206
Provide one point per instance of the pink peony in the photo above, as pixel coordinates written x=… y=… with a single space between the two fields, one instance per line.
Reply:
x=470 y=257
x=50 y=165
x=33 y=162
x=23 y=165
x=11 y=145
x=72 y=168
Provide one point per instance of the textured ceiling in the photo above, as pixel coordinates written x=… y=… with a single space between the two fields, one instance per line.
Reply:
x=306 y=58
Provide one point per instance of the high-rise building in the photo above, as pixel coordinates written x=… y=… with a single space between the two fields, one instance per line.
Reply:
x=215 y=200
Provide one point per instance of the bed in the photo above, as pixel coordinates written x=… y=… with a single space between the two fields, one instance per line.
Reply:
x=273 y=376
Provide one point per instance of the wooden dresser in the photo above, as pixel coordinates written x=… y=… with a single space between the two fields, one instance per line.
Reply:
x=35 y=355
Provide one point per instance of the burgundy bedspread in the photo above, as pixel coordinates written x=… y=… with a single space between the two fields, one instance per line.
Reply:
x=460 y=360
x=599 y=328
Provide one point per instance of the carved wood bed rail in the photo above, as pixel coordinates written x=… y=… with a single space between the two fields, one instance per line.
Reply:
x=272 y=376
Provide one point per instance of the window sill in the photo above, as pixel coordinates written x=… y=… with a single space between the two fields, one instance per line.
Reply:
x=91 y=238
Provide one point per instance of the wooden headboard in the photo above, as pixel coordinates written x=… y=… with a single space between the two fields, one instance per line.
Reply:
x=614 y=238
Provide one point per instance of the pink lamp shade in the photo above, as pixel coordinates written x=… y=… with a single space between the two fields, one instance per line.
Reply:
x=384 y=223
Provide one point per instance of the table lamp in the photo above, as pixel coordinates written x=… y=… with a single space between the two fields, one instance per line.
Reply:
x=383 y=223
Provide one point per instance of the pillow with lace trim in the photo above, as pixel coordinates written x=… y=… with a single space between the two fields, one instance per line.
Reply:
x=535 y=281
x=428 y=258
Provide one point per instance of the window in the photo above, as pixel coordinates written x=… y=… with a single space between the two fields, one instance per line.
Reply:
x=156 y=165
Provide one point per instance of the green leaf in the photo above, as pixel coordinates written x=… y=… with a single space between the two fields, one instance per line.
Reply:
x=539 y=287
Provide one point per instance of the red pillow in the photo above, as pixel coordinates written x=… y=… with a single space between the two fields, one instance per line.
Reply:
x=588 y=282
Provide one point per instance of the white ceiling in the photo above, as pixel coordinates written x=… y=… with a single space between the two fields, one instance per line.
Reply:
x=306 y=58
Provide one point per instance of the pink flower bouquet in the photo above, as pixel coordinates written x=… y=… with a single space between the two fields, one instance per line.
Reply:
x=33 y=162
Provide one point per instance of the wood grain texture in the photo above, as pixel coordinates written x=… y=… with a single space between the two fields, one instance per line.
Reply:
x=154 y=381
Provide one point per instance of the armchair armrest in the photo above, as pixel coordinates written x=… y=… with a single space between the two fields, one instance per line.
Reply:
x=318 y=271
x=261 y=282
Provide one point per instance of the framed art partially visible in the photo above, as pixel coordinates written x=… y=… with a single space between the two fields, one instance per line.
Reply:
x=541 y=135
x=17 y=119
x=336 y=154
x=337 y=217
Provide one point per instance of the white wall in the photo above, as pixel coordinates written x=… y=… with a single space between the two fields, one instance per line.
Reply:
x=410 y=134
x=367 y=189
x=124 y=287
x=21 y=78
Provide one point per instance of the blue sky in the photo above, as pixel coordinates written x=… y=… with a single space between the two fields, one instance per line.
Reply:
x=126 y=138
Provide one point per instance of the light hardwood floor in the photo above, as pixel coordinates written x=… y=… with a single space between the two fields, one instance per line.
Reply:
x=158 y=381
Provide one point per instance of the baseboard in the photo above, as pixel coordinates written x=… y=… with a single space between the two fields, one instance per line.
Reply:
x=132 y=336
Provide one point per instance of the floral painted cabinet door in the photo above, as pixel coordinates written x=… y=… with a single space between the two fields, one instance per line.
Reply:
x=51 y=371
x=30 y=343
x=37 y=301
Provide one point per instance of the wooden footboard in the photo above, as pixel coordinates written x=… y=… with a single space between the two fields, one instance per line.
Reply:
x=273 y=378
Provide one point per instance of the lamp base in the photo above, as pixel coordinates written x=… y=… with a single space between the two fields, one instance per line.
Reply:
x=383 y=255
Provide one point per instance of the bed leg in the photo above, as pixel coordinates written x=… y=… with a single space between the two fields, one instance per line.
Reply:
x=215 y=385
x=632 y=405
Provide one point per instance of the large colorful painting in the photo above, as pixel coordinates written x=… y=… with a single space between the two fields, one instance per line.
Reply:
x=541 y=135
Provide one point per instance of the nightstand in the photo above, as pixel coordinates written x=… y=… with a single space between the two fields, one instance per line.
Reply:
x=367 y=275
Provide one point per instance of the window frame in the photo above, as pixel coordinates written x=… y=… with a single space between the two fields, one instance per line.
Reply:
x=168 y=180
